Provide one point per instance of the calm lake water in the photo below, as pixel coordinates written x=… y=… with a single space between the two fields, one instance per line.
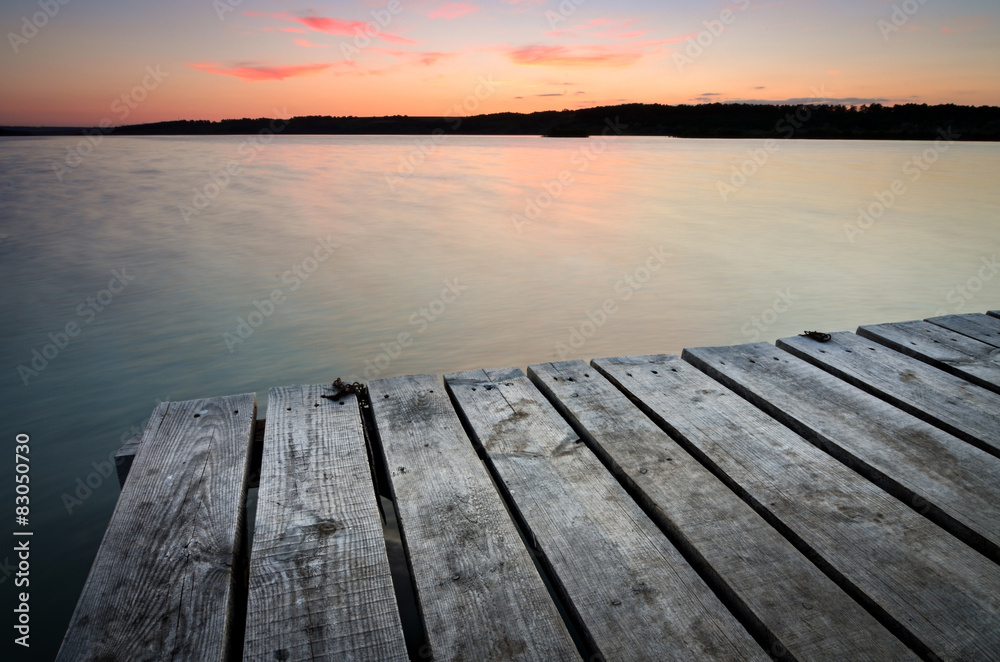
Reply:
x=485 y=251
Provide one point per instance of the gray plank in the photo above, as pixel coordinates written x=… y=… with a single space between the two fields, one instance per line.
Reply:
x=480 y=595
x=162 y=585
x=636 y=596
x=125 y=455
x=939 y=475
x=994 y=313
x=938 y=594
x=984 y=328
x=320 y=587
x=976 y=361
x=951 y=403
x=746 y=559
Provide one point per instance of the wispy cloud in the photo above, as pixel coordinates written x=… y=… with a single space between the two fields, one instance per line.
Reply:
x=415 y=57
x=330 y=25
x=259 y=72
x=674 y=40
x=582 y=57
x=802 y=101
x=309 y=44
x=454 y=10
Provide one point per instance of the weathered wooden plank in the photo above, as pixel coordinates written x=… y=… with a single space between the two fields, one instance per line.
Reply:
x=797 y=610
x=480 y=595
x=126 y=454
x=951 y=403
x=636 y=596
x=976 y=361
x=952 y=482
x=164 y=582
x=984 y=328
x=320 y=587
x=936 y=593
x=994 y=313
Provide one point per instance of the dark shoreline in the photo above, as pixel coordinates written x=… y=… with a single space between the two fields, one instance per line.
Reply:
x=816 y=121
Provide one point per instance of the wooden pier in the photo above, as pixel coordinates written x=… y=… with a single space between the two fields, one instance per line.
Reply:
x=825 y=498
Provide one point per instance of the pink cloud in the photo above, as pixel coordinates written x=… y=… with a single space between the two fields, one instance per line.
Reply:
x=309 y=44
x=258 y=72
x=396 y=39
x=587 y=57
x=420 y=57
x=454 y=10
x=675 y=40
x=331 y=25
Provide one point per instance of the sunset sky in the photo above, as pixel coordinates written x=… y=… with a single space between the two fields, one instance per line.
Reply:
x=142 y=61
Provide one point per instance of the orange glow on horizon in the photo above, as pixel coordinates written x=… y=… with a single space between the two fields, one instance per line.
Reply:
x=427 y=57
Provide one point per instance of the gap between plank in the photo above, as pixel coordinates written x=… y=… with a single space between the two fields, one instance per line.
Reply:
x=401 y=571
x=867 y=603
x=577 y=631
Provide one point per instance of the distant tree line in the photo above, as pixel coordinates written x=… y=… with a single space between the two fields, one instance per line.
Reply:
x=714 y=120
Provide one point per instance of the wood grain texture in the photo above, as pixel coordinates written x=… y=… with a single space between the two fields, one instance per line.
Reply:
x=320 y=587
x=938 y=594
x=976 y=361
x=937 y=474
x=162 y=585
x=984 y=328
x=949 y=402
x=636 y=596
x=480 y=595
x=801 y=612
